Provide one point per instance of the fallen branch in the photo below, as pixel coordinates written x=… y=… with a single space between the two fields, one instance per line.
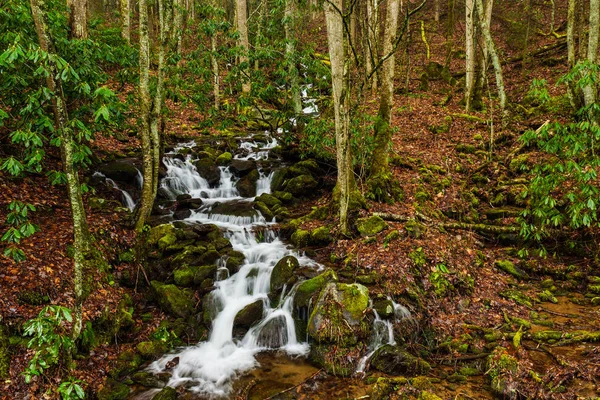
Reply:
x=450 y=225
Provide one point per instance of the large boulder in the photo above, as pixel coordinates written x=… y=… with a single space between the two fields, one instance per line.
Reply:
x=173 y=300
x=209 y=170
x=282 y=272
x=249 y=315
x=393 y=360
x=370 y=226
x=242 y=167
x=274 y=333
x=247 y=185
x=308 y=289
x=224 y=158
x=278 y=181
x=122 y=171
x=303 y=185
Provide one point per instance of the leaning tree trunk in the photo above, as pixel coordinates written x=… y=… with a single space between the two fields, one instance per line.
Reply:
x=81 y=238
x=339 y=75
x=144 y=98
x=125 y=20
x=469 y=53
x=491 y=48
x=78 y=19
x=379 y=165
x=291 y=21
x=589 y=91
x=242 y=26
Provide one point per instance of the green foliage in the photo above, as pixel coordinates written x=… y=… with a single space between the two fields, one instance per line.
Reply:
x=418 y=257
x=71 y=390
x=20 y=228
x=564 y=188
x=50 y=339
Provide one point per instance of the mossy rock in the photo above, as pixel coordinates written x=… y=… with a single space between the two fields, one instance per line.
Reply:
x=304 y=167
x=120 y=171
x=282 y=272
x=510 y=268
x=370 y=226
x=32 y=298
x=307 y=289
x=414 y=228
x=247 y=185
x=303 y=185
x=354 y=299
x=390 y=237
x=113 y=390
x=385 y=386
x=384 y=308
x=224 y=158
x=284 y=197
x=208 y=169
x=546 y=295
x=173 y=300
x=264 y=210
x=151 y=349
x=301 y=238
x=321 y=236
x=148 y=379
x=337 y=361
x=394 y=360
x=425 y=395
x=127 y=362
x=278 y=181
x=158 y=232
x=189 y=255
x=205 y=272
x=268 y=199
x=168 y=393
x=184 y=276
x=502 y=369
x=518 y=297
x=250 y=314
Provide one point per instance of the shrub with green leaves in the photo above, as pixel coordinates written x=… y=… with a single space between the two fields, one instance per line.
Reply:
x=19 y=228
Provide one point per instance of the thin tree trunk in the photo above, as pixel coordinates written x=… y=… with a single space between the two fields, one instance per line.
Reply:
x=78 y=19
x=581 y=23
x=215 y=69
x=262 y=6
x=242 y=27
x=589 y=91
x=291 y=21
x=451 y=20
x=494 y=55
x=81 y=238
x=372 y=36
x=469 y=52
x=178 y=24
x=571 y=90
x=436 y=10
x=125 y=20
x=379 y=164
x=339 y=74
x=144 y=97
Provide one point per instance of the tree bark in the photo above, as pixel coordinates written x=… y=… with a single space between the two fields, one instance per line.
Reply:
x=589 y=91
x=81 y=238
x=291 y=21
x=125 y=20
x=78 y=19
x=379 y=164
x=469 y=52
x=371 y=49
x=339 y=74
x=177 y=12
x=242 y=27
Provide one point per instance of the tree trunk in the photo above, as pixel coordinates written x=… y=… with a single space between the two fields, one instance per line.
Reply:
x=177 y=24
x=291 y=21
x=581 y=33
x=339 y=75
x=125 y=20
x=436 y=10
x=469 y=52
x=81 y=238
x=215 y=69
x=144 y=98
x=258 y=41
x=450 y=21
x=372 y=35
x=491 y=48
x=572 y=91
x=242 y=27
x=589 y=91
x=78 y=19
x=379 y=166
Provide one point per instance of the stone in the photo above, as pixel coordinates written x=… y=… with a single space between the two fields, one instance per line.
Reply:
x=282 y=272
x=121 y=171
x=249 y=315
x=113 y=390
x=335 y=360
x=278 y=181
x=510 y=268
x=370 y=226
x=303 y=185
x=189 y=204
x=301 y=238
x=309 y=288
x=209 y=170
x=168 y=393
x=285 y=197
x=264 y=210
x=242 y=167
x=393 y=360
x=384 y=308
x=204 y=272
x=150 y=350
x=247 y=185
x=173 y=300
x=182 y=214
x=268 y=199
x=148 y=379
x=224 y=158
x=156 y=233
x=321 y=236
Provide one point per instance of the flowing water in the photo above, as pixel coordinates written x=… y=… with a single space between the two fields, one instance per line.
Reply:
x=210 y=367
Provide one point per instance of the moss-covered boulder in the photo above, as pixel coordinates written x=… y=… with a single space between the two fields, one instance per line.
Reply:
x=321 y=236
x=151 y=349
x=173 y=300
x=247 y=185
x=370 y=226
x=278 y=180
x=158 y=232
x=339 y=315
x=303 y=185
x=384 y=308
x=121 y=171
x=209 y=170
x=414 y=228
x=285 y=197
x=268 y=199
x=224 y=159
x=300 y=238
x=148 y=379
x=311 y=287
x=510 y=268
x=249 y=315
x=336 y=360
x=394 y=360
x=385 y=386
x=242 y=167
x=282 y=272
x=168 y=393
x=4 y=352
x=264 y=210
x=113 y=390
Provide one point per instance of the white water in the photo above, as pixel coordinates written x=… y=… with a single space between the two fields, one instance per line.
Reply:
x=382 y=334
x=127 y=199
x=208 y=368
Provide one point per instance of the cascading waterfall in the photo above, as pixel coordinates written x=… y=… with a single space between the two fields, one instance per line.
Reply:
x=127 y=199
x=209 y=367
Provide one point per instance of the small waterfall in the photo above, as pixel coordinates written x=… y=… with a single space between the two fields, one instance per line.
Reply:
x=209 y=367
x=127 y=199
x=382 y=334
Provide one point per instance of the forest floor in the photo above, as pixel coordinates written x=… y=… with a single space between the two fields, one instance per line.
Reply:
x=450 y=166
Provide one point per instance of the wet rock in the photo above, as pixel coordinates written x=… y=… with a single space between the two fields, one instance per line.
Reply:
x=264 y=210
x=168 y=393
x=282 y=272
x=311 y=287
x=303 y=185
x=121 y=171
x=242 y=167
x=151 y=350
x=384 y=308
x=273 y=334
x=182 y=214
x=285 y=197
x=204 y=272
x=224 y=158
x=148 y=379
x=249 y=315
x=278 y=181
x=268 y=199
x=189 y=204
x=301 y=238
x=234 y=261
x=235 y=208
x=321 y=236
x=113 y=390
x=247 y=185
x=189 y=255
x=209 y=171
x=173 y=300
x=370 y=226
x=510 y=268
x=393 y=360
